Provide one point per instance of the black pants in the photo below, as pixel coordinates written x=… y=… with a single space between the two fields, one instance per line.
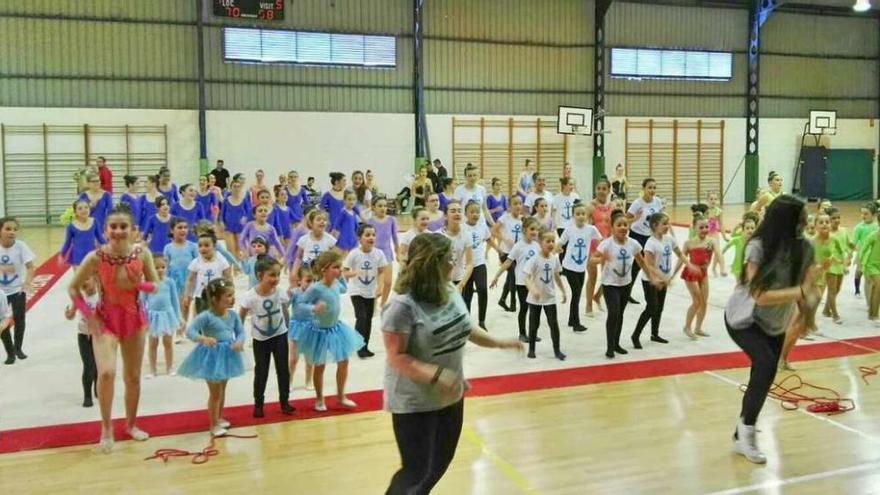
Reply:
x=11 y=344
x=363 y=316
x=509 y=282
x=521 y=293
x=642 y=240
x=615 y=302
x=576 y=282
x=477 y=282
x=427 y=443
x=764 y=351
x=535 y=320
x=563 y=246
x=90 y=370
x=274 y=348
x=654 y=301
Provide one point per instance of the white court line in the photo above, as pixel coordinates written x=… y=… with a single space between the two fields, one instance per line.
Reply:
x=804 y=411
x=870 y=466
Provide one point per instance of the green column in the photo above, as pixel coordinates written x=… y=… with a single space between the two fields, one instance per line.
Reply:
x=203 y=166
x=752 y=174
x=598 y=169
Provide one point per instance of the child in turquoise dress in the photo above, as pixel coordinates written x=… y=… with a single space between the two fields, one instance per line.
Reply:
x=163 y=317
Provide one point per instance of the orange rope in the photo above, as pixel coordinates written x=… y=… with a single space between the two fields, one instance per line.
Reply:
x=867 y=371
x=199 y=457
x=790 y=398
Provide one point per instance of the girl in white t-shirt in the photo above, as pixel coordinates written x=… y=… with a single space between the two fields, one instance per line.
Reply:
x=541 y=213
x=618 y=254
x=208 y=266
x=462 y=257
x=309 y=246
x=639 y=212
x=507 y=231
x=420 y=226
x=16 y=277
x=477 y=234
x=659 y=251
x=363 y=268
x=564 y=204
x=541 y=272
x=522 y=252
x=574 y=249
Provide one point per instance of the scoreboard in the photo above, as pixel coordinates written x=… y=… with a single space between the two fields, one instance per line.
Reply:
x=267 y=10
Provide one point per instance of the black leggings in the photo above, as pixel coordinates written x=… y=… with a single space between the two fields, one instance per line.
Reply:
x=576 y=282
x=477 y=283
x=427 y=443
x=561 y=247
x=642 y=240
x=17 y=302
x=274 y=348
x=764 y=351
x=363 y=316
x=535 y=320
x=654 y=301
x=509 y=282
x=90 y=370
x=615 y=302
x=521 y=293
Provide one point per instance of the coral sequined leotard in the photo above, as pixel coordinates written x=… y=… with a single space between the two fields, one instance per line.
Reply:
x=120 y=312
x=699 y=256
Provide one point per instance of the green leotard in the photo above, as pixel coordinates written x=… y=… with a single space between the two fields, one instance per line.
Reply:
x=739 y=250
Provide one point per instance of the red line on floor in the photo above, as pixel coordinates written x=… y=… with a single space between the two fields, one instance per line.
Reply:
x=63 y=435
x=45 y=277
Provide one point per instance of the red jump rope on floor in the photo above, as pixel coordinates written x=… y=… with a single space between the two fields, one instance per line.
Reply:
x=199 y=457
x=792 y=390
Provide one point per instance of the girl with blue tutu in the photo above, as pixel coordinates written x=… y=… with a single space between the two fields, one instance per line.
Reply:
x=324 y=338
x=82 y=235
x=163 y=317
x=178 y=254
x=296 y=324
x=217 y=356
x=346 y=224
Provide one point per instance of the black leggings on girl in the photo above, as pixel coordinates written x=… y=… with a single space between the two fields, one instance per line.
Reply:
x=764 y=351
x=535 y=320
x=576 y=282
x=615 y=303
x=364 y=307
x=478 y=283
x=522 y=292
x=427 y=443
x=90 y=370
x=654 y=301
x=274 y=348
x=509 y=283
x=642 y=240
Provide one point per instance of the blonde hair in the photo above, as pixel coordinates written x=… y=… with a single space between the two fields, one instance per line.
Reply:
x=324 y=260
x=425 y=276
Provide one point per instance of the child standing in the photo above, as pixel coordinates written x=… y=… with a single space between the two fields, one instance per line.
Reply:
x=81 y=235
x=386 y=241
x=234 y=213
x=202 y=270
x=297 y=322
x=716 y=230
x=496 y=202
x=189 y=209
x=520 y=254
x=618 y=254
x=207 y=199
x=838 y=268
x=260 y=248
x=738 y=242
x=436 y=216
x=345 y=227
x=84 y=338
x=541 y=213
x=156 y=233
x=311 y=245
x=325 y=338
x=602 y=206
x=869 y=259
x=541 y=271
x=577 y=238
x=863 y=230
x=363 y=267
x=147 y=202
x=17 y=271
x=477 y=233
x=420 y=226
x=267 y=305
x=163 y=317
x=699 y=251
x=217 y=357
x=462 y=257
x=130 y=196
x=282 y=217
x=259 y=227
x=100 y=201
x=563 y=205
x=179 y=253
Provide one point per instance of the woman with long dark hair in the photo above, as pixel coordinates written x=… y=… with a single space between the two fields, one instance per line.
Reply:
x=425 y=327
x=778 y=276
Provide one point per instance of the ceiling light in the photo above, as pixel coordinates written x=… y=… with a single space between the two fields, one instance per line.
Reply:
x=862 y=5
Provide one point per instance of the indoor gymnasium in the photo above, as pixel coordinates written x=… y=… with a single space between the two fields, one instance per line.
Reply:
x=440 y=246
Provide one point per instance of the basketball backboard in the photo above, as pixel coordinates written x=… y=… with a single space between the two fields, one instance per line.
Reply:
x=823 y=122
x=575 y=120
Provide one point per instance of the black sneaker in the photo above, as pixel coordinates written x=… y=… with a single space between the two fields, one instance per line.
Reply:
x=560 y=356
x=580 y=328
x=522 y=338
x=258 y=411
x=286 y=408
x=620 y=350
x=659 y=339
x=10 y=359
x=636 y=343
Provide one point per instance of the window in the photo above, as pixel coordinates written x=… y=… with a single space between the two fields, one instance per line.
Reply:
x=300 y=47
x=652 y=63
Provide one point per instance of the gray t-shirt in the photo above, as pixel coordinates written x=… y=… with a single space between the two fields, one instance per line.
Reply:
x=741 y=311
x=432 y=334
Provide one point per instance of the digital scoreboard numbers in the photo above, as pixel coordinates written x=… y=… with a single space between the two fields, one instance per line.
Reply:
x=267 y=10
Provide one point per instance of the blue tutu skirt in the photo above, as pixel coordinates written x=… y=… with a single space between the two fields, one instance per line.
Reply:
x=295 y=329
x=161 y=323
x=213 y=364
x=333 y=344
x=179 y=278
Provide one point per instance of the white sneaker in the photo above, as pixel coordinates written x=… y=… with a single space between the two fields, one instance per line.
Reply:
x=347 y=403
x=218 y=431
x=105 y=446
x=320 y=406
x=138 y=434
x=223 y=423
x=745 y=443
x=590 y=314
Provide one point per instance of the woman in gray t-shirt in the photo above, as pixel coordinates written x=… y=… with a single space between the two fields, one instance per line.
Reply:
x=778 y=276
x=425 y=327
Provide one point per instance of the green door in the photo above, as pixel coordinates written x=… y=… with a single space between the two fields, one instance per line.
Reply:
x=849 y=175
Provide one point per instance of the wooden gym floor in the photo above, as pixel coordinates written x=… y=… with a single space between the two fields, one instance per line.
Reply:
x=667 y=434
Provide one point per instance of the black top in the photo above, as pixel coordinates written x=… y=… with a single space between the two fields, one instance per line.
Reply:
x=222 y=176
x=432 y=176
x=441 y=174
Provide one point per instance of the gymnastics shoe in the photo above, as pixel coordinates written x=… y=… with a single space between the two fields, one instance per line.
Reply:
x=20 y=355
x=701 y=333
x=609 y=354
x=346 y=403
x=636 y=343
x=105 y=446
x=745 y=443
x=659 y=339
x=224 y=423
x=10 y=359
x=258 y=411
x=219 y=431
x=620 y=350
x=580 y=328
x=320 y=406
x=560 y=356
x=137 y=434
x=286 y=408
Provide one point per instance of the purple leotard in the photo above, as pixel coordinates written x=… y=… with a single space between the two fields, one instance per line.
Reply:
x=134 y=205
x=332 y=206
x=100 y=209
x=193 y=216
x=281 y=218
x=346 y=225
x=386 y=235
x=438 y=224
x=157 y=231
x=295 y=235
x=444 y=201
x=78 y=243
x=233 y=216
x=296 y=201
x=492 y=203
x=251 y=232
x=171 y=194
x=207 y=202
x=147 y=211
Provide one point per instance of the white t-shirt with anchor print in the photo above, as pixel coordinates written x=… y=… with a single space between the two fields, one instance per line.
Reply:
x=366 y=267
x=664 y=255
x=619 y=260
x=12 y=266
x=266 y=314
x=542 y=270
x=577 y=241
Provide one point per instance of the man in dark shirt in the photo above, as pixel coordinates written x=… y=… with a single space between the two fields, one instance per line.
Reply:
x=441 y=174
x=432 y=176
x=221 y=174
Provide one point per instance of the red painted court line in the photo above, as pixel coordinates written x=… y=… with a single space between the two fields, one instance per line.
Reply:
x=45 y=277
x=64 y=435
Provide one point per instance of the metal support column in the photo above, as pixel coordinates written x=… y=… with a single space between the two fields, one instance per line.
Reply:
x=423 y=150
x=759 y=11
x=203 y=125
x=599 y=90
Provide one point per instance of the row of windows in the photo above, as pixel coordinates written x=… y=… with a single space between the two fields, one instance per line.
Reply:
x=300 y=47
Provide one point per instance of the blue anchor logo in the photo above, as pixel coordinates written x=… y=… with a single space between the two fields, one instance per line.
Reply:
x=269 y=316
x=546 y=270
x=4 y=260
x=517 y=230
x=622 y=256
x=209 y=275
x=315 y=251
x=664 y=264
x=566 y=211
x=580 y=247
x=529 y=256
x=366 y=267
x=475 y=240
